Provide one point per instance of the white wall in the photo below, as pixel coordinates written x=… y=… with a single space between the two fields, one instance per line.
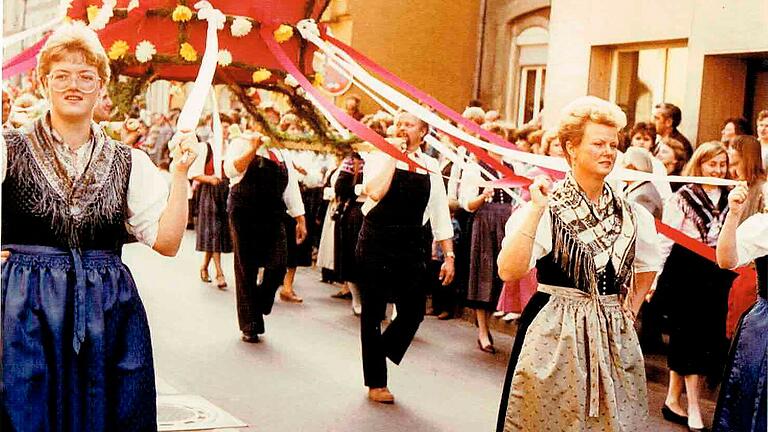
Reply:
x=711 y=27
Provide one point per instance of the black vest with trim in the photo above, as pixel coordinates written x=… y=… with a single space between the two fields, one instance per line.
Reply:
x=33 y=213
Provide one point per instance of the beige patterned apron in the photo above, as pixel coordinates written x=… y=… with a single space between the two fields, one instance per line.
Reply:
x=580 y=368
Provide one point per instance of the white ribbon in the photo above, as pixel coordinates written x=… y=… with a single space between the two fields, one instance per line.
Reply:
x=217 y=146
x=308 y=29
x=193 y=107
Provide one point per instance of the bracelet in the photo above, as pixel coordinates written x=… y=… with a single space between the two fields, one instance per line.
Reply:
x=530 y=236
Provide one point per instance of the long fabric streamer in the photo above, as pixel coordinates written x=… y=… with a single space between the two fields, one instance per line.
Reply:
x=350 y=123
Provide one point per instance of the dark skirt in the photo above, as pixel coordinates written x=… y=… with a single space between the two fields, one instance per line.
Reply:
x=299 y=254
x=695 y=293
x=487 y=234
x=741 y=405
x=76 y=353
x=347 y=230
x=212 y=227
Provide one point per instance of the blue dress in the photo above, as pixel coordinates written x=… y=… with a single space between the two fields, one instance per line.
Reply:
x=76 y=350
x=741 y=405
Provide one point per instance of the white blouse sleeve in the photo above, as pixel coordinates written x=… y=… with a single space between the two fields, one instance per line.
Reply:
x=648 y=254
x=752 y=239
x=198 y=166
x=147 y=198
x=542 y=245
x=469 y=187
x=292 y=193
x=675 y=218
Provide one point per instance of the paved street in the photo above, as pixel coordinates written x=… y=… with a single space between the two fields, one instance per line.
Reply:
x=305 y=375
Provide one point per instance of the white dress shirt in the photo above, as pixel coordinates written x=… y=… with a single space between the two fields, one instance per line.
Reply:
x=436 y=212
x=291 y=195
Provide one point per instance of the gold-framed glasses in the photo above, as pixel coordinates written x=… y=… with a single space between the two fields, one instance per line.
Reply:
x=85 y=82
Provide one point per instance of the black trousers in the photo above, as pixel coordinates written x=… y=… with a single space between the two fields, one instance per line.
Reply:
x=377 y=287
x=254 y=250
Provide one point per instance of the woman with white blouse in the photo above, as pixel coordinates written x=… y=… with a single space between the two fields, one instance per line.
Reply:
x=696 y=302
x=576 y=363
x=77 y=354
x=741 y=405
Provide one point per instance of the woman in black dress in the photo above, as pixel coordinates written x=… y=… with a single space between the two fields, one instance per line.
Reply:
x=349 y=220
x=741 y=405
x=696 y=302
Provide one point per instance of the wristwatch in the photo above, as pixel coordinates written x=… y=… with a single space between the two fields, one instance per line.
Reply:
x=450 y=255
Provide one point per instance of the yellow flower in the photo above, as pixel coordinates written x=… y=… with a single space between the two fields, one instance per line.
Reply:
x=181 y=14
x=118 y=49
x=283 y=33
x=188 y=52
x=319 y=79
x=261 y=75
x=93 y=10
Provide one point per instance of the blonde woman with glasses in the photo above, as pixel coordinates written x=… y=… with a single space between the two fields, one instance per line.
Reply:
x=77 y=354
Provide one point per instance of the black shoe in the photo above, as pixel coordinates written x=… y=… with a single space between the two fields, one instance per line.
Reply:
x=673 y=417
x=249 y=338
x=343 y=295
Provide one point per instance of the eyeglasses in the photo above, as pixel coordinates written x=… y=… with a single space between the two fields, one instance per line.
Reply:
x=85 y=82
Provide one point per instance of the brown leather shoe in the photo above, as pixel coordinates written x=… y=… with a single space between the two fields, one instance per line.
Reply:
x=381 y=395
x=290 y=297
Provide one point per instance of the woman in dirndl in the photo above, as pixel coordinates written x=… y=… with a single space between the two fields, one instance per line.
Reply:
x=349 y=220
x=212 y=225
x=491 y=208
x=76 y=348
x=576 y=363
x=741 y=405
x=696 y=302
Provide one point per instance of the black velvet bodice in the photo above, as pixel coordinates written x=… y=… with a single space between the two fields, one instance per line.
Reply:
x=33 y=214
x=551 y=273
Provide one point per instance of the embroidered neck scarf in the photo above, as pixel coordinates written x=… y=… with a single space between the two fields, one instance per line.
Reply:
x=699 y=208
x=586 y=235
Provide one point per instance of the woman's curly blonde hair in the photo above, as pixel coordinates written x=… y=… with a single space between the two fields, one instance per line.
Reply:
x=578 y=113
x=73 y=38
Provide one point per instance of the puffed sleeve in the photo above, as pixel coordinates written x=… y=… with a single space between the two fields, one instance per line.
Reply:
x=542 y=245
x=292 y=193
x=3 y=159
x=469 y=187
x=752 y=239
x=648 y=253
x=147 y=198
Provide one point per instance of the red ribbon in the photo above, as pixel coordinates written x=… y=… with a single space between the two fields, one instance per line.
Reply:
x=24 y=61
x=355 y=126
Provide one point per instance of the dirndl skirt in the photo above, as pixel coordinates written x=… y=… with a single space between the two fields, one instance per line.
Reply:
x=487 y=234
x=212 y=227
x=741 y=405
x=576 y=365
x=347 y=233
x=76 y=353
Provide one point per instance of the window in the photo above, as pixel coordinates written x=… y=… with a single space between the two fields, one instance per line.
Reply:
x=642 y=78
x=531 y=93
x=528 y=74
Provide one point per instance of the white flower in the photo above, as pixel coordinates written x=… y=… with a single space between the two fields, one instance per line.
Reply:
x=224 y=58
x=240 y=27
x=144 y=51
x=105 y=14
x=133 y=5
x=291 y=81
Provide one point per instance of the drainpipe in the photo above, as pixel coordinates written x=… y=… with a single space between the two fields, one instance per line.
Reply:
x=480 y=48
